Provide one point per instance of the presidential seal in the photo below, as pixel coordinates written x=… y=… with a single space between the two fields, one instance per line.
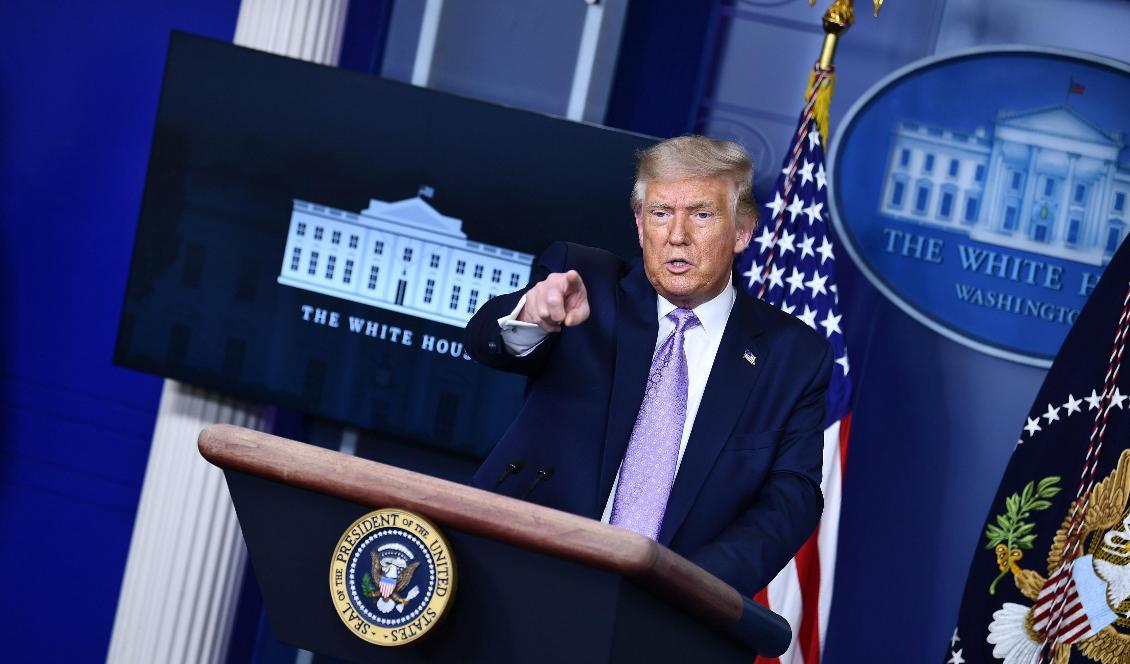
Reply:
x=392 y=577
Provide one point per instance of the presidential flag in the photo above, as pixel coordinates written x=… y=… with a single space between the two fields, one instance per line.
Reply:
x=791 y=264
x=1050 y=577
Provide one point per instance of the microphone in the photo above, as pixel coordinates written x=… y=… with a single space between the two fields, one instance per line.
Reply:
x=513 y=468
x=543 y=474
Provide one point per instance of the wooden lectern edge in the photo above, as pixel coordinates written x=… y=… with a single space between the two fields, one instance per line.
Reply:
x=478 y=512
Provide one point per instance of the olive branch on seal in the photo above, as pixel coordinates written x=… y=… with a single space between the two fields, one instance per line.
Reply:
x=1012 y=533
x=367 y=586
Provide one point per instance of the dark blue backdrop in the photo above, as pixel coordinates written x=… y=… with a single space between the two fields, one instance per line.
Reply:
x=78 y=97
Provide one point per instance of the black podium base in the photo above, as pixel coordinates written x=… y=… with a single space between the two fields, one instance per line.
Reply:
x=511 y=604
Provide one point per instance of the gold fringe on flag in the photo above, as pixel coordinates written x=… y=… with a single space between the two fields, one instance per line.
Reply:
x=823 y=103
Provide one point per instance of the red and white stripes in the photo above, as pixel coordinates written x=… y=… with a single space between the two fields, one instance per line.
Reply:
x=802 y=591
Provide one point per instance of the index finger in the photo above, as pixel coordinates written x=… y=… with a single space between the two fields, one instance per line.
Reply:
x=573 y=280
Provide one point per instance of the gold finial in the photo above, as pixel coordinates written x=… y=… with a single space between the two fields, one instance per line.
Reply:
x=839 y=17
x=841 y=14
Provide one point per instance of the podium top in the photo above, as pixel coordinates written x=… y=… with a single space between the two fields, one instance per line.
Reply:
x=497 y=517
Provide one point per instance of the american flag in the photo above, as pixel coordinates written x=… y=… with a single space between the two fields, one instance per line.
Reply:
x=791 y=264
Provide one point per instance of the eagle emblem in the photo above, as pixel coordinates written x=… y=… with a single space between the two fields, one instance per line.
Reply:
x=393 y=573
x=1094 y=592
x=394 y=577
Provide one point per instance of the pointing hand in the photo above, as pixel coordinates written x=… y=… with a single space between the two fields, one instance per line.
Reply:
x=560 y=299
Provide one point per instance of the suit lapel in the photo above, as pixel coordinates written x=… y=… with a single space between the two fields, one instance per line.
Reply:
x=637 y=326
x=731 y=381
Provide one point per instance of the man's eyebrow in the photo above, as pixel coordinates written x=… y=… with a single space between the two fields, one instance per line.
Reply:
x=690 y=205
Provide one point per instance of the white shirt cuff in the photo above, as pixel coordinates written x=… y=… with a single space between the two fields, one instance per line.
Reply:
x=519 y=337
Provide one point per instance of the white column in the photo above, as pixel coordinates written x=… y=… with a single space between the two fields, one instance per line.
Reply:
x=1024 y=214
x=187 y=556
x=992 y=199
x=1057 y=231
x=304 y=29
x=1101 y=209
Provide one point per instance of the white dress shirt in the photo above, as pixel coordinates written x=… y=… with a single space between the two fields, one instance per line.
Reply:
x=700 y=343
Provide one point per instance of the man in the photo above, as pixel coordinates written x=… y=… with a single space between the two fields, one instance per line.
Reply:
x=660 y=399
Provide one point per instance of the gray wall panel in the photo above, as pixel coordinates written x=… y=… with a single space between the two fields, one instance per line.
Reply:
x=403 y=37
x=516 y=53
x=1096 y=26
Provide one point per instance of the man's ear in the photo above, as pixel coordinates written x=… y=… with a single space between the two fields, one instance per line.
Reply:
x=743 y=235
x=639 y=228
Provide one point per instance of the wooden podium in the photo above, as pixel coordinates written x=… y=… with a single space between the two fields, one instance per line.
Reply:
x=534 y=584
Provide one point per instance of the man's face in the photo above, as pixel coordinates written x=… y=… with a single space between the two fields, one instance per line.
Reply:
x=689 y=235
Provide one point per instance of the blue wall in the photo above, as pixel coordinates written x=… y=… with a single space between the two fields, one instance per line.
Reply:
x=79 y=84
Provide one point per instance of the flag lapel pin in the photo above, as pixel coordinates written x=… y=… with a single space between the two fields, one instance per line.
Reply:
x=748 y=356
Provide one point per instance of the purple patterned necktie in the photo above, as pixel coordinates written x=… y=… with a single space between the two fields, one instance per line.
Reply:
x=653 y=450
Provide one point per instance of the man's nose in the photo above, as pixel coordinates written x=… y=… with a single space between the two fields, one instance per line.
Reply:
x=679 y=227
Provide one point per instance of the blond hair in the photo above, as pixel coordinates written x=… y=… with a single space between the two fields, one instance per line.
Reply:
x=698 y=156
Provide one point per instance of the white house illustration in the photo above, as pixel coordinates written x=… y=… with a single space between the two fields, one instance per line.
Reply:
x=402 y=256
x=1047 y=181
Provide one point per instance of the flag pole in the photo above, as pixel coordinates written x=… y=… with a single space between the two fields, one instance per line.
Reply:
x=802 y=591
x=839 y=16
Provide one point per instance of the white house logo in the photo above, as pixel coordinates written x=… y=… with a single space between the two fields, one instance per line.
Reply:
x=985 y=192
x=402 y=256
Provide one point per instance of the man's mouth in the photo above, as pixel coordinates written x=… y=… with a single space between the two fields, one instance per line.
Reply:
x=678 y=265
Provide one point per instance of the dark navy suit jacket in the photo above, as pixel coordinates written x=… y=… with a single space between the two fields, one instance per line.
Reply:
x=747 y=493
